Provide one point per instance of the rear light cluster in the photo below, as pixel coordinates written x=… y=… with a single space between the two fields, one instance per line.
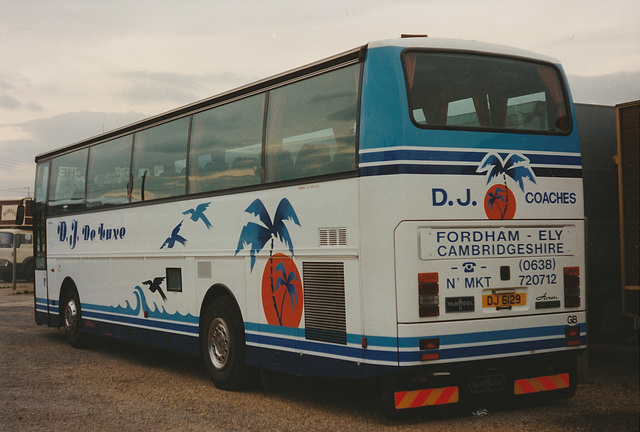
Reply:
x=572 y=336
x=430 y=345
x=428 y=295
x=572 y=287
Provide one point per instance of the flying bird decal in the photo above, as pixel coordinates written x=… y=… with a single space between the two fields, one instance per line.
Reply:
x=198 y=214
x=174 y=238
x=155 y=286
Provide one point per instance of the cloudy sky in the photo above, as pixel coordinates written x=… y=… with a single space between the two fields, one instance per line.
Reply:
x=71 y=69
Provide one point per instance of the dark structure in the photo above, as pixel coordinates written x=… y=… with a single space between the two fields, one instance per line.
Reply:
x=598 y=140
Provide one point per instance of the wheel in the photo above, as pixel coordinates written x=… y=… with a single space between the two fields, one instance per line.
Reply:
x=73 y=320
x=5 y=276
x=223 y=345
x=28 y=271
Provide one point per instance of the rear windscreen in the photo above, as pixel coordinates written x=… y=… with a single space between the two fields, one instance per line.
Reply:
x=467 y=91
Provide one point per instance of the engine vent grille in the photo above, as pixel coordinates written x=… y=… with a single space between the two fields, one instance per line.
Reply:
x=332 y=236
x=325 y=313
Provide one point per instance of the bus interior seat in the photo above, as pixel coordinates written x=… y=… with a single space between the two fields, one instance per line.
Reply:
x=312 y=160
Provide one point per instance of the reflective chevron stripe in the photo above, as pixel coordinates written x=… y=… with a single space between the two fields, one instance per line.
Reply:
x=540 y=384
x=427 y=397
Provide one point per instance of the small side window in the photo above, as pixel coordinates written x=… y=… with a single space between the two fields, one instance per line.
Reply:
x=174 y=279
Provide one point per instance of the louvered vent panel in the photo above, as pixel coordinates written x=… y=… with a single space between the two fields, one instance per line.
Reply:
x=325 y=313
x=332 y=236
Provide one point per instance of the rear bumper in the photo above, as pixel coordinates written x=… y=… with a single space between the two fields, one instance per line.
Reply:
x=487 y=382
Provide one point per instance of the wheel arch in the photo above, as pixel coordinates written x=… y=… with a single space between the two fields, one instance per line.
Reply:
x=214 y=292
x=27 y=260
x=67 y=287
x=234 y=374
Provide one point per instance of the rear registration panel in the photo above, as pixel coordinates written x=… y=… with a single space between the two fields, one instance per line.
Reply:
x=504 y=300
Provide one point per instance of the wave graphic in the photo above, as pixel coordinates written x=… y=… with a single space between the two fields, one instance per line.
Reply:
x=153 y=311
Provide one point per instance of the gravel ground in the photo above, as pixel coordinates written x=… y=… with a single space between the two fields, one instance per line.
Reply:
x=47 y=385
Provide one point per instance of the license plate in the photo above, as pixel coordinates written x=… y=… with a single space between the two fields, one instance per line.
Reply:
x=504 y=300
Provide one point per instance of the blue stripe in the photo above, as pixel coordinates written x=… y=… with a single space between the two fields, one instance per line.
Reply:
x=153 y=313
x=266 y=328
x=146 y=336
x=391 y=168
x=142 y=322
x=554 y=339
x=493 y=349
x=463 y=156
x=410 y=356
x=293 y=338
x=410 y=342
x=491 y=336
x=40 y=306
x=316 y=347
x=422 y=155
x=556 y=165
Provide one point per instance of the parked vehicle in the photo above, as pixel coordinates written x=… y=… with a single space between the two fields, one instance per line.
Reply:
x=16 y=213
x=21 y=241
x=410 y=210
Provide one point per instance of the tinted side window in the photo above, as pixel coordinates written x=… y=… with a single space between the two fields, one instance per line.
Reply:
x=160 y=161
x=25 y=239
x=226 y=146
x=68 y=172
x=311 y=126
x=108 y=173
x=42 y=181
x=40 y=239
x=6 y=240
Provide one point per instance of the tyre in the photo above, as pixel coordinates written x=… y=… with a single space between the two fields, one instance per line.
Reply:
x=223 y=345
x=28 y=270
x=5 y=276
x=73 y=320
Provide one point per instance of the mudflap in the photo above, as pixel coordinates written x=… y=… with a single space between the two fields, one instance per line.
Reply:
x=544 y=379
x=409 y=395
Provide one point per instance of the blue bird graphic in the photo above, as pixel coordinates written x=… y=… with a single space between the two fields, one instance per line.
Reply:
x=175 y=237
x=198 y=214
x=155 y=286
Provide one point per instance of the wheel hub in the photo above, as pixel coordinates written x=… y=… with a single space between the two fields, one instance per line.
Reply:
x=71 y=316
x=218 y=343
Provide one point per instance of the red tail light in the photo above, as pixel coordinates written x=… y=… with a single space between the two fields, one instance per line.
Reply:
x=572 y=335
x=572 y=287
x=428 y=298
x=572 y=331
x=429 y=345
x=430 y=356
